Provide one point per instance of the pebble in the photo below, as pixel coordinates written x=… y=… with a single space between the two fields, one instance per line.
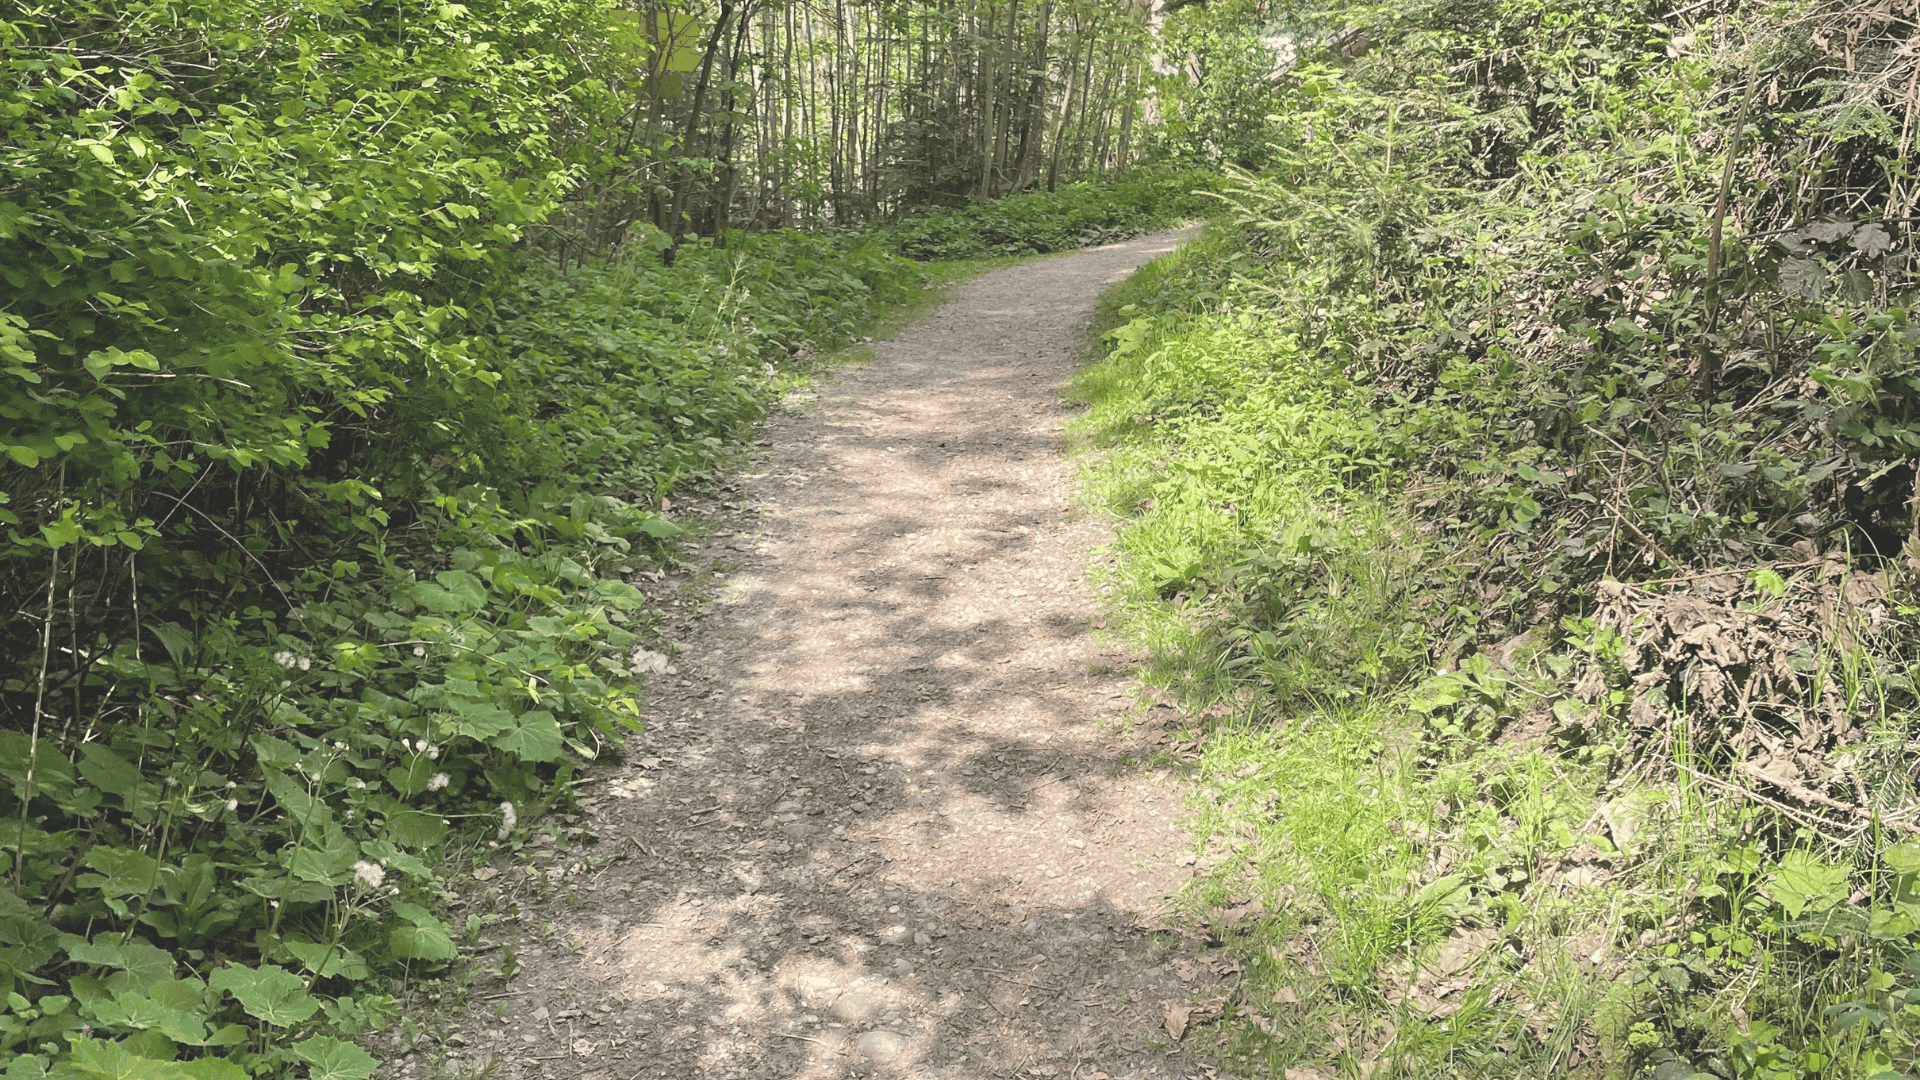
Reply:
x=881 y=1045
x=855 y=1008
x=797 y=829
x=897 y=934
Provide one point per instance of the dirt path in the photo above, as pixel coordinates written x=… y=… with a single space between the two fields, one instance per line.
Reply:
x=876 y=826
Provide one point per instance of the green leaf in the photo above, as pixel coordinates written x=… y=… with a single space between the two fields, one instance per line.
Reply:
x=27 y=940
x=338 y=960
x=329 y=1058
x=536 y=736
x=123 y=872
x=142 y=1012
x=177 y=639
x=114 y=1061
x=144 y=964
x=24 y=455
x=1803 y=883
x=421 y=943
x=457 y=592
x=269 y=992
x=425 y=938
x=211 y=1068
x=414 y=828
x=107 y=771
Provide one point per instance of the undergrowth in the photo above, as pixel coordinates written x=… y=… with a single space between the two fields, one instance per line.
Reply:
x=266 y=736
x=1039 y=222
x=1516 y=487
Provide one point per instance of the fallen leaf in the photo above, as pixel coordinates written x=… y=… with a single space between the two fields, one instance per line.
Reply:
x=1240 y=912
x=485 y=873
x=1177 y=1020
x=1186 y=969
x=1306 y=1074
x=1285 y=996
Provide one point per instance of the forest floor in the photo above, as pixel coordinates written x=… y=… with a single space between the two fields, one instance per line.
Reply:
x=889 y=816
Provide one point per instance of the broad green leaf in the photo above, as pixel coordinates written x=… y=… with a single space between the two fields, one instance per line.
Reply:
x=115 y=1061
x=210 y=1068
x=177 y=639
x=329 y=1058
x=536 y=736
x=123 y=871
x=143 y=964
x=304 y=810
x=27 y=940
x=414 y=828
x=421 y=943
x=425 y=938
x=338 y=959
x=1803 y=883
x=141 y=1012
x=484 y=722
x=269 y=992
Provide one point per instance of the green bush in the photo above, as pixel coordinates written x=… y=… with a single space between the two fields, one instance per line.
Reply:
x=320 y=485
x=1038 y=222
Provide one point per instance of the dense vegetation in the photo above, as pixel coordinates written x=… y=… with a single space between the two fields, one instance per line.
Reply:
x=1521 y=483
x=349 y=351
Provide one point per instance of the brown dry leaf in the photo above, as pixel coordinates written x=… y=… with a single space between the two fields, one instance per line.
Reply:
x=1307 y=1074
x=1461 y=950
x=1222 y=964
x=1240 y=912
x=1285 y=996
x=1187 y=970
x=1177 y=1020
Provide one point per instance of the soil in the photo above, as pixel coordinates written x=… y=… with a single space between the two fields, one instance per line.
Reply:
x=886 y=818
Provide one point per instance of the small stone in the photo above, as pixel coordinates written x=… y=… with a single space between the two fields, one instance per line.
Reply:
x=855 y=1008
x=881 y=1045
x=897 y=934
x=923 y=938
x=799 y=830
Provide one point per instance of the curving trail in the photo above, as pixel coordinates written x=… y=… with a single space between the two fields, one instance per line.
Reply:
x=878 y=824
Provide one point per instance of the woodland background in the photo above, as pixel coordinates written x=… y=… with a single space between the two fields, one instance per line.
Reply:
x=1516 y=485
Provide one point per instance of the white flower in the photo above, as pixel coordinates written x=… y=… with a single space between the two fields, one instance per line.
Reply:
x=439 y=781
x=508 y=819
x=338 y=745
x=232 y=805
x=232 y=784
x=433 y=753
x=419 y=650
x=305 y=664
x=370 y=874
x=283 y=658
x=359 y=784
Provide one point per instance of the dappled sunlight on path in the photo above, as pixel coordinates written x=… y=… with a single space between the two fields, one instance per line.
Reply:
x=880 y=823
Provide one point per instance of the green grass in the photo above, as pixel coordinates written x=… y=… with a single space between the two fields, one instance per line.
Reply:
x=1274 y=596
x=1475 y=867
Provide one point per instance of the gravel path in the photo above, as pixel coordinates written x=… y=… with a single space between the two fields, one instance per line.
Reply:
x=879 y=823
